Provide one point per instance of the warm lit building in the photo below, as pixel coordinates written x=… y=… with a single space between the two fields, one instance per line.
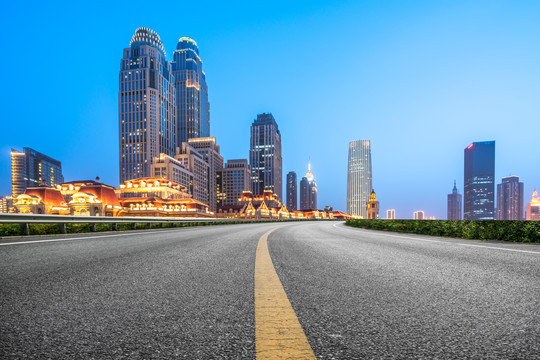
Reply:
x=479 y=181
x=532 y=211
x=6 y=203
x=510 y=199
x=418 y=215
x=266 y=205
x=152 y=187
x=31 y=168
x=391 y=214
x=308 y=191
x=195 y=162
x=174 y=170
x=41 y=200
x=292 y=191
x=453 y=210
x=372 y=206
x=235 y=178
x=90 y=198
x=359 y=177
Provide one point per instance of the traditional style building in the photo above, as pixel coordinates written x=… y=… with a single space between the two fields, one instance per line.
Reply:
x=41 y=200
x=372 y=206
x=90 y=198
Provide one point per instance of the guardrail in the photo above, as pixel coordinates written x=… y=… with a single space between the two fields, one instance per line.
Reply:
x=61 y=220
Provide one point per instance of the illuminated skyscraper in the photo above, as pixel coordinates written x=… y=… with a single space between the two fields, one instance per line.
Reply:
x=510 y=199
x=147 y=105
x=453 y=210
x=479 y=181
x=532 y=211
x=308 y=191
x=30 y=168
x=209 y=148
x=192 y=106
x=292 y=191
x=235 y=179
x=359 y=181
x=265 y=156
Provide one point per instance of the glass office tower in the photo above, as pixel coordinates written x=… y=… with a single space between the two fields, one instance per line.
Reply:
x=308 y=191
x=292 y=193
x=510 y=199
x=192 y=106
x=453 y=210
x=31 y=168
x=479 y=181
x=359 y=181
x=146 y=104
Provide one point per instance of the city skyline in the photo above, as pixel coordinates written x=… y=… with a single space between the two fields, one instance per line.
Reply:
x=88 y=115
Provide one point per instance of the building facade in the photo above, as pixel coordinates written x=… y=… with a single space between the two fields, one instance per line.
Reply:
x=418 y=215
x=391 y=214
x=372 y=206
x=146 y=105
x=195 y=162
x=265 y=156
x=292 y=191
x=192 y=106
x=308 y=191
x=6 y=202
x=235 y=179
x=172 y=169
x=359 y=177
x=30 y=168
x=453 y=209
x=510 y=199
x=479 y=181
x=532 y=211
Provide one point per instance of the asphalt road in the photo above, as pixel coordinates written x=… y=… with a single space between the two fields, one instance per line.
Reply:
x=189 y=293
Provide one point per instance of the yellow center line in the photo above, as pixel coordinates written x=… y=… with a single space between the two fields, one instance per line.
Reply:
x=278 y=333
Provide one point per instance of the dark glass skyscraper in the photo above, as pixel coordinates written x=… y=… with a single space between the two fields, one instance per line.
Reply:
x=454 y=205
x=292 y=191
x=510 y=199
x=31 y=168
x=265 y=156
x=308 y=191
x=479 y=181
x=192 y=106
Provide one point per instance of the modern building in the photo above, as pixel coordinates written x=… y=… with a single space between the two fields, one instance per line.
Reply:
x=532 y=211
x=391 y=214
x=308 y=191
x=479 y=181
x=372 y=206
x=265 y=156
x=418 y=215
x=172 y=169
x=235 y=179
x=292 y=191
x=30 y=168
x=510 y=199
x=6 y=202
x=192 y=106
x=453 y=209
x=146 y=105
x=195 y=163
x=359 y=177
x=209 y=149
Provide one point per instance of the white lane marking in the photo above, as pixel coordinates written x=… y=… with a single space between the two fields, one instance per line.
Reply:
x=87 y=237
x=445 y=242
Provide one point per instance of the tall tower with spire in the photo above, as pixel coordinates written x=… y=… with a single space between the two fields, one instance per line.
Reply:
x=454 y=204
x=308 y=191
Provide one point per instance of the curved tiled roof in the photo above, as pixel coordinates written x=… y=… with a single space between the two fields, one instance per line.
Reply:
x=49 y=196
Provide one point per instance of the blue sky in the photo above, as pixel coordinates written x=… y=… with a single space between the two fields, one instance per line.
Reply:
x=420 y=79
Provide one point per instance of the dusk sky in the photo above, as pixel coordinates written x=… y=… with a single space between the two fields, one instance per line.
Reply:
x=420 y=79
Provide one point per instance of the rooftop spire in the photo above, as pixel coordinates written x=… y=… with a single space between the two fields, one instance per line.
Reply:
x=454 y=190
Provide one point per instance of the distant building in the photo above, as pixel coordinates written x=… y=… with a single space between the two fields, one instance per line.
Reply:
x=195 y=163
x=419 y=215
x=6 y=202
x=147 y=105
x=292 y=191
x=208 y=147
x=265 y=156
x=391 y=214
x=532 y=211
x=30 y=168
x=479 y=181
x=359 y=177
x=174 y=170
x=372 y=206
x=192 y=106
x=510 y=199
x=308 y=191
x=235 y=178
x=453 y=210
x=328 y=208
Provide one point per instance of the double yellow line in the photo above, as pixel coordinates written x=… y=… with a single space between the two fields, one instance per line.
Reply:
x=278 y=333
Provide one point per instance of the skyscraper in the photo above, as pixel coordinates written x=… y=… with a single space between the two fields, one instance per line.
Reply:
x=479 y=181
x=292 y=191
x=532 y=211
x=308 y=191
x=453 y=210
x=235 y=178
x=359 y=181
x=146 y=105
x=209 y=148
x=265 y=156
x=510 y=199
x=30 y=168
x=192 y=106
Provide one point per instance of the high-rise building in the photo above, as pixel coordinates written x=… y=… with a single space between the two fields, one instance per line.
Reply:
x=510 y=199
x=532 y=211
x=391 y=214
x=308 y=191
x=292 y=191
x=208 y=147
x=174 y=170
x=418 y=215
x=30 y=168
x=359 y=180
x=453 y=210
x=372 y=206
x=235 y=179
x=146 y=105
x=265 y=156
x=196 y=163
x=6 y=202
x=479 y=181
x=192 y=106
